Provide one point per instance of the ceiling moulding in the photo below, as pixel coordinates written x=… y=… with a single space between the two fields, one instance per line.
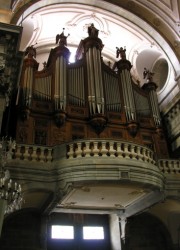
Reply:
x=103 y=5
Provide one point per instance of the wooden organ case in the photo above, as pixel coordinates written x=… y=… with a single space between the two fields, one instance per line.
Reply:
x=86 y=99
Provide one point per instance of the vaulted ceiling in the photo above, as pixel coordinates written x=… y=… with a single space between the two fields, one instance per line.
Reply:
x=148 y=29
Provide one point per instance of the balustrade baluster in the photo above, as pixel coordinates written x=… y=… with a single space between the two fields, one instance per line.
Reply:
x=38 y=152
x=83 y=147
x=34 y=154
x=87 y=150
x=148 y=155
x=104 y=149
x=126 y=151
x=164 y=166
x=48 y=155
x=178 y=166
x=138 y=152
x=70 y=153
x=143 y=154
x=41 y=155
x=133 y=153
x=151 y=155
x=119 y=150
x=26 y=153
x=167 y=167
x=18 y=152
x=78 y=150
x=95 y=149
x=111 y=150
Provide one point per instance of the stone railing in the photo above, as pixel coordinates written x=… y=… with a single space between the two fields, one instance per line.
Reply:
x=33 y=153
x=110 y=148
x=88 y=148
x=169 y=166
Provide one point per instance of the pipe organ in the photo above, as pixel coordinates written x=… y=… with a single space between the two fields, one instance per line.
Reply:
x=86 y=99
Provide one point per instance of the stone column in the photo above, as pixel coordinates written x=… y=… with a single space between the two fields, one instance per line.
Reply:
x=115 y=233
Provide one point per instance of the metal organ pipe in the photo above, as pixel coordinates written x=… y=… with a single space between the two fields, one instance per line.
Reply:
x=42 y=88
x=127 y=89
x=28 y=80
x=56 y=96
x=155 y=109
x=64 y=84
x=60 y=84
x=95 y=86
x=126 y=102
x=91 y=90
x=61 y=87
x=100 y=85
x=128 y=95
x=76 y=86
x=25 y=87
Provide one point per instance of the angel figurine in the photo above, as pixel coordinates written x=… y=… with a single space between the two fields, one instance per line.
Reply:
x=122 y=52
x=148 y=74
x=30 y=51
x=92 y=31
x=61 y=38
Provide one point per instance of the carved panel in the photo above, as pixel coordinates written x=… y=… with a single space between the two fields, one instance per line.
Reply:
x=41 y=106
x=78 y=131
x=40 y=137
x=113 y=116
x=116 y=134
x=41 y=123
x=22 y=135
x=58 y=136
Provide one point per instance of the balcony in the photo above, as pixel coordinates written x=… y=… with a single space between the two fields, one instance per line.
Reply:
x=98 y=175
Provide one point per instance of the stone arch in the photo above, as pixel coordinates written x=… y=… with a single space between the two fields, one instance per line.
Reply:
x=146 y=232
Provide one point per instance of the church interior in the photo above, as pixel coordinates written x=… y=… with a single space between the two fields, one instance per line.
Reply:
x=90 y=125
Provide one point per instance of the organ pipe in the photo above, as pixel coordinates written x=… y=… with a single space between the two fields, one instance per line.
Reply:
x=155 y=109
x=129 y=102
x=95 y=86
x=76 y=86
x=28 y=80
x=42 y=88
x=60 y=84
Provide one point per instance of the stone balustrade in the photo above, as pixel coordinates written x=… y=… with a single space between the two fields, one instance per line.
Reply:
x=169 y=166
x=110 y=148
x=88 y=148
x=33 y=153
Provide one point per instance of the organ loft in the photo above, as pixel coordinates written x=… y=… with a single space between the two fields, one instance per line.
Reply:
x=86 y=99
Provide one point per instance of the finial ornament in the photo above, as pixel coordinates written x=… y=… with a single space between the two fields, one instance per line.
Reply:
x=61 y=38
x=147 y=74
x=44 y=64
x=121 y=52
x=31 y=51
x=92 y=31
